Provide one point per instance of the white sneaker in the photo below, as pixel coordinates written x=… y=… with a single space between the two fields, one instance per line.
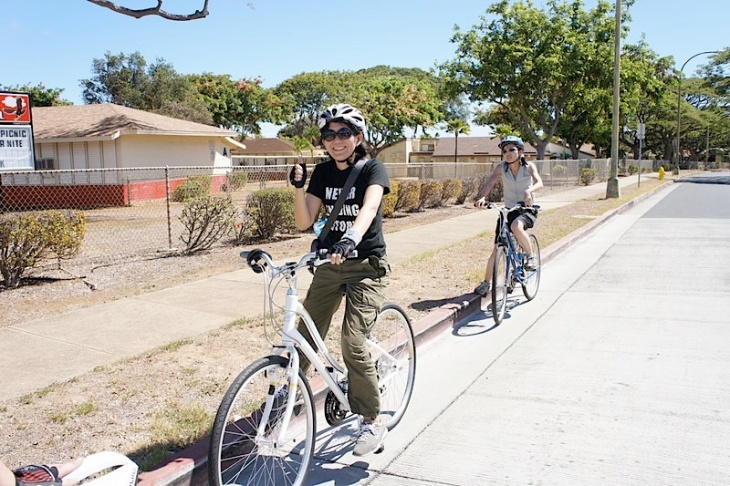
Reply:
x=370 y=438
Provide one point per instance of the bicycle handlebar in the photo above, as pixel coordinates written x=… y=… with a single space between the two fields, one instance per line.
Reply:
x=519 y=207
x=259 y=259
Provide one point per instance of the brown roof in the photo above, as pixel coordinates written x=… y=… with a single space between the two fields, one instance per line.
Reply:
x=110 y=120
x=267 y=146
x=473 y=146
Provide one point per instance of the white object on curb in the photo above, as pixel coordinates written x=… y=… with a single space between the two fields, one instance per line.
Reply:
x=118 y=470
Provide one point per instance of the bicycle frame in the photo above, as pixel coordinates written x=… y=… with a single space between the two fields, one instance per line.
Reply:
x=508 y=241
x=293 y=342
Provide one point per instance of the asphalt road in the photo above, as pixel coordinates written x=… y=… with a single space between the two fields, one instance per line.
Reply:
x=618 y=373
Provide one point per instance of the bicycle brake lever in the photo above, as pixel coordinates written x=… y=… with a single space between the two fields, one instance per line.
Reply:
x=323 y=257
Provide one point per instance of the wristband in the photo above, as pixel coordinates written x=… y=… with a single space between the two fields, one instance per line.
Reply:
x=353 y=235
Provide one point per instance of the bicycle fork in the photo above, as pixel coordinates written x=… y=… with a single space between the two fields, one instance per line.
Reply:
x=268 y=417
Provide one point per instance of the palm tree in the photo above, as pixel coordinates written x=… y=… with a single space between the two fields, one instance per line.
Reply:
x=301 y=144
x=311 y=133
x=457 y=126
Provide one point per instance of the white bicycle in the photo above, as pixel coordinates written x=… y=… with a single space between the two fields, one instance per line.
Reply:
x=265 y=429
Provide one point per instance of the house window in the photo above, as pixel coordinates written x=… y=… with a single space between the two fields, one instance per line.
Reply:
x=43 y=164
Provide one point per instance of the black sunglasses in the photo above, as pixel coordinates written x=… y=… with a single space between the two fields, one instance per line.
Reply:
x=342 y=134
x=511 y=149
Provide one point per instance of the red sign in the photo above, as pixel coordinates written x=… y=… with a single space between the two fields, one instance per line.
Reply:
x=14 y=108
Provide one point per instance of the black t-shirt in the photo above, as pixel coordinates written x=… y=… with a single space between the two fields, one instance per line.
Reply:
x=326 y=183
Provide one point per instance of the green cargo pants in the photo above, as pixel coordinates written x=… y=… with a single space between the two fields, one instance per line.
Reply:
x=363 y=283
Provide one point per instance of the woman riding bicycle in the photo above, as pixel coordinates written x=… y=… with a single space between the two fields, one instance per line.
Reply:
x=359 y=226
x=520 y=179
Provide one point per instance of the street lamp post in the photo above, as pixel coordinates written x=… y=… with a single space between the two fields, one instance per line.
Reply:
x=679 y=107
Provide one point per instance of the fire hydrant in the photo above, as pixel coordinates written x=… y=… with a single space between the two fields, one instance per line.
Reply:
x=661 y=173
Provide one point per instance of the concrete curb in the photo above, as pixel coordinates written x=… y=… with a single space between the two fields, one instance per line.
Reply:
x=189 y=467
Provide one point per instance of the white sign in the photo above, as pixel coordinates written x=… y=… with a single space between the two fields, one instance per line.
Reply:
x=16 y=147
x=16 y=132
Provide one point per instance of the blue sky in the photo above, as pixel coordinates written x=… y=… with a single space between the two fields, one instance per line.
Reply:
x=55 y=41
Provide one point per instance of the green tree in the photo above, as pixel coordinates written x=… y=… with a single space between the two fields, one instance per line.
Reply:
x=171 y=94
x=704 y=115
x=118 y=78
x=301 y=144
x=644 y=77
x=238 y=105
x=392 y=99
x=528 y=62
x=717 y=74
x=304 y=96
x=212 y=99
x=391 y=103
x=126 y=80
x=40 y=95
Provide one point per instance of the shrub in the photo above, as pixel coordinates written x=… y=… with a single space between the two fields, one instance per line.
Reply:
x=587 y=176
x=390 y=200
x=633 y=169
x=451 y=189
x=267 y=213
x=237 y=180
x=194 y=187
x=468 y=186
x=206 y=220
x=497 y=192
x=27 y=239
x=409 y=196
x=559 y=170
x=430 y=194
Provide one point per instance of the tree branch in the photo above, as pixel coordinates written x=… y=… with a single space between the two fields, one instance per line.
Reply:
x=144 y=12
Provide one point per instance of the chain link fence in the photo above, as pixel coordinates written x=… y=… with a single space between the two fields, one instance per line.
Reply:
x=134 y=213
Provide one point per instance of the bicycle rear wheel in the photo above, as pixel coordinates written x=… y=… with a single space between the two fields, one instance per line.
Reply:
x=238 y=453
x=531 y=278
x=500 y=283
x=393 y=348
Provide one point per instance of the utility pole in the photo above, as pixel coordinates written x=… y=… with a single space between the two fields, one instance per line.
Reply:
x=612 y=187
x=640 y=134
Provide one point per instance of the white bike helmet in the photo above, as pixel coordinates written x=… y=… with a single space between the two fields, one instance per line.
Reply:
x=511 y=139
x=345 y=113
x=117 y=469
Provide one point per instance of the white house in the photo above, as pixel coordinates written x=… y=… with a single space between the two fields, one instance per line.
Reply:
x=111 y=136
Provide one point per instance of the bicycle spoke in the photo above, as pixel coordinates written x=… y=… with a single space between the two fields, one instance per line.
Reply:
x=240 y=452
x=392 y=345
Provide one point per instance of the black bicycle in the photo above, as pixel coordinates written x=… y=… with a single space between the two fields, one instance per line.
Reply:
x=509 y=265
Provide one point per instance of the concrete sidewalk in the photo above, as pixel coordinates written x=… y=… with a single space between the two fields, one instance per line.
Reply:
x=37 y=353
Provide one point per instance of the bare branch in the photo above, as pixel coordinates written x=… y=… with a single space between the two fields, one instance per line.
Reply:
x=143 y=12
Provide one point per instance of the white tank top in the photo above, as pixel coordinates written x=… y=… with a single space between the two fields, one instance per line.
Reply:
x=514 y=187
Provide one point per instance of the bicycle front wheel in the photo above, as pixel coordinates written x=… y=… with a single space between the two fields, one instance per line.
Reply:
x=500 y=283
x=531 y=278
x=240 y=453
x=393 y=348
